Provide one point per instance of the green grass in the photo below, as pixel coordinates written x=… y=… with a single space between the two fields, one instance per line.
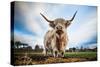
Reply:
x=87 y=55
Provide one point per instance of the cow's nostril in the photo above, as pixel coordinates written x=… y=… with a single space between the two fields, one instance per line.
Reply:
x=59 y=27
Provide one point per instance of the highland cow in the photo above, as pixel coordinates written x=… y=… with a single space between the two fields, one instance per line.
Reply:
x=56 y=39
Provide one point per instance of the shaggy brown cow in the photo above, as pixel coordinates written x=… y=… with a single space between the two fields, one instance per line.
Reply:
x=56 y=39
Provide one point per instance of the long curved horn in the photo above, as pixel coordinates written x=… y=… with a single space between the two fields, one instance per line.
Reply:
x=73 y=16
x=46 y=18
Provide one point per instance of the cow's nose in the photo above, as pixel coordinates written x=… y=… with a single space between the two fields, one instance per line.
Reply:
x=59 y=27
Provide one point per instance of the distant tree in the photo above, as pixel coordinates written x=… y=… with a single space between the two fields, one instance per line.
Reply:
x=24 y=45
x=74 y=49
x=70 y=49
x=29 y=47
x=37 y=47
x=17 y=44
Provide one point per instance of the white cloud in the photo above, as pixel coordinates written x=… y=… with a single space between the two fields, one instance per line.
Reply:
x=86 y=30
x=30 y=14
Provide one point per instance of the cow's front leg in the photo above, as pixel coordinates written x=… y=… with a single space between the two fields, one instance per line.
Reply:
x=45 y=52
x=55 y=53
x=62 y=53
x=51 y=52
x=63 y=49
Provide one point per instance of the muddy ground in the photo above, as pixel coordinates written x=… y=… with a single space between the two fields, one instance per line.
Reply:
x=49 y=60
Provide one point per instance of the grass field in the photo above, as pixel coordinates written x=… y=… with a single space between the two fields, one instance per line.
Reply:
x=81 y=54
x=38 y=58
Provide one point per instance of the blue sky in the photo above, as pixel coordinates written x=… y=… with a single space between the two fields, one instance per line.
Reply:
x=30 y=27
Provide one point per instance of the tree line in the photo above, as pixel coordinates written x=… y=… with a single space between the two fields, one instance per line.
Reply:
x=24 y=46
x=20 y=45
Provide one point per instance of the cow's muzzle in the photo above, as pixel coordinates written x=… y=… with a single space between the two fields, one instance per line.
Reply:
x=59 y=32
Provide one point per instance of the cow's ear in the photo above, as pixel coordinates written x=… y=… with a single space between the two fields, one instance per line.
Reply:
x=67 y=23
x=52 y=25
